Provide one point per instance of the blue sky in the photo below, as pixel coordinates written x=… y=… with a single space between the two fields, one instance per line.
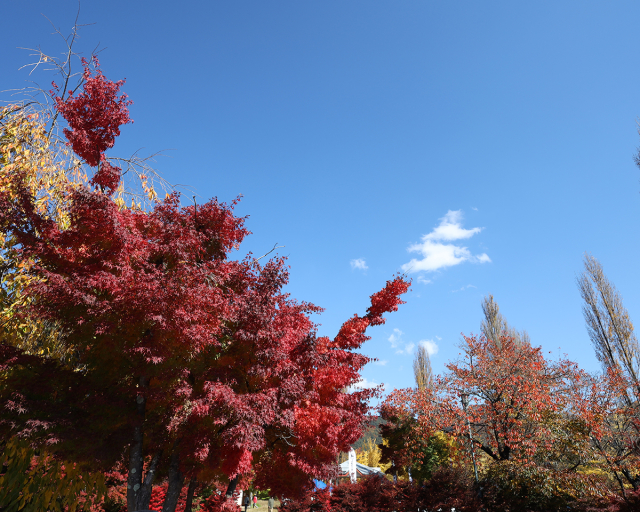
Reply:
x=482 y=147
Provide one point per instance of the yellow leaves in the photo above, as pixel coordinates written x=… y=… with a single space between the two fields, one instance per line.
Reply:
x=47 y=497
x=135 y=206
x=370 y=454
x=25 y=148
x=40 y=482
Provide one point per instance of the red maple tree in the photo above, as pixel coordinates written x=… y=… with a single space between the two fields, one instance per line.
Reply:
x=180 y=355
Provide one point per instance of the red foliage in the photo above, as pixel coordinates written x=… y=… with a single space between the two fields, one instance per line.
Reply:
x=154 y=295
x=95 y=115
x=219 y=503
x=158 y=494
x=224 y=371
x=514 y=396
x=108 y=176
x=630 y=504
x=447 y=489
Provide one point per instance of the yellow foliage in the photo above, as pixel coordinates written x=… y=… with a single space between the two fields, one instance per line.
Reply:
x=50 y=172
x=370 y=455
x=25 y=147
x=31 y=480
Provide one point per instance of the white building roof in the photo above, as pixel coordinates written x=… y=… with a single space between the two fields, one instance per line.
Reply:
x=361 y=469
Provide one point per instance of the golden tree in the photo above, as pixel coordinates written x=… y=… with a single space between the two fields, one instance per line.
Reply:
x=422 y=368
x=494 y=325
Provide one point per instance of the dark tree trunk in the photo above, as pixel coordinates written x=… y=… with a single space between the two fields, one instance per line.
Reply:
x=176 y=480
x=144 y=496
x=136 y=458
x=190 y=492
x=232 y=487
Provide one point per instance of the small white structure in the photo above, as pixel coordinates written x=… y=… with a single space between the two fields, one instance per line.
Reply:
x=352 y=466
x=360 y=471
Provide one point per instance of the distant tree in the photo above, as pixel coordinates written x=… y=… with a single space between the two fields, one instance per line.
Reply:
x=494 y=325
x=502 y=395
x=608 y=323
x=406 y=449
x=422 y=368
x=369 y=454
x=616 y=394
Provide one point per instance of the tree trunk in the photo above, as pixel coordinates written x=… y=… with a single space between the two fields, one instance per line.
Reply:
x=176 y=480
x=144 y=496
x=232 y=487
x=190 y=492
x=136 y=458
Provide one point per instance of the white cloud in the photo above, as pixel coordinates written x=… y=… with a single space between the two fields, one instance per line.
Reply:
x=463 y=288
x=450 y=228
x=394 y=339
x=359 y=264
x=423 y=280
x=437 y=254
x=438 y=338
x=364 y=384
x=430 y=345
x=398 y=343
x=383 y=362
x=407 y=348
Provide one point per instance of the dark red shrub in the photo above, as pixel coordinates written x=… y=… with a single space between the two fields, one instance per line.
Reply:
x=449 y=488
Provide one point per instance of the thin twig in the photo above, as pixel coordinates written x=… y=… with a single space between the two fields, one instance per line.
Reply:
x=276 y=246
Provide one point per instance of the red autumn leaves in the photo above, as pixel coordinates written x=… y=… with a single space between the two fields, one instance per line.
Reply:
x=95 y=116
x=178 y=351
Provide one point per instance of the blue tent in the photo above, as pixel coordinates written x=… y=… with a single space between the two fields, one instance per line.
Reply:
x=319 y=484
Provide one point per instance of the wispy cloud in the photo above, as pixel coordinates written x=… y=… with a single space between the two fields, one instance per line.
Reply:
x=430 y=346
x=401 y=346
x=382 y=362
x=364 y=384
x=359 y=264
x=407 y=349
x=463 y=288
x=394 y=339
x=438 y=251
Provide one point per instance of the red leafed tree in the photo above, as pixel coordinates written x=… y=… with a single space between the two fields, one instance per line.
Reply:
x=505 y=399
x=612 y=424
x=179 y=355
